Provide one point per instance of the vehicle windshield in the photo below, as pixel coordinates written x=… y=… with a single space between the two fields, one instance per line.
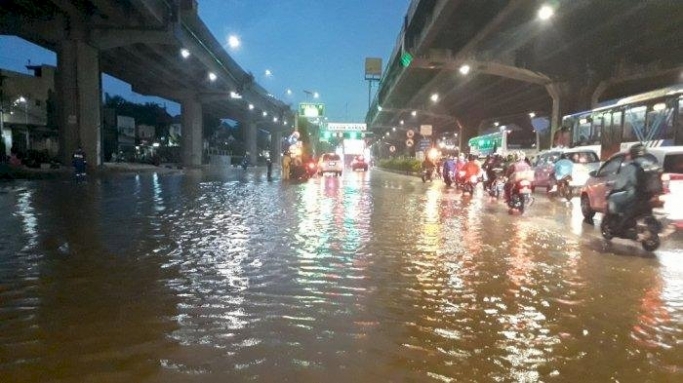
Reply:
x=673 y=163
x=331 y=157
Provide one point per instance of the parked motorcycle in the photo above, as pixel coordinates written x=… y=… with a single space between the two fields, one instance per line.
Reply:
x=644 y=228
x=520 y=196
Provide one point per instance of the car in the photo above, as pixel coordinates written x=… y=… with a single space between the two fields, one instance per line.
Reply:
x=330 y=163
x=359 y=163
x=585 y=161
x=544 y=165
x=593 y=194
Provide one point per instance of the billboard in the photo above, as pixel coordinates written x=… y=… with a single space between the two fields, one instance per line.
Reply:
x=373 y=67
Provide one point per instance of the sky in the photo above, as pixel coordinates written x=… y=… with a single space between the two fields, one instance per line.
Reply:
x=313 y=45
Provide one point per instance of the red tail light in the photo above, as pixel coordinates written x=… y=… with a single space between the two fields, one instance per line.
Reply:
x=311 y=165
x=666 y=178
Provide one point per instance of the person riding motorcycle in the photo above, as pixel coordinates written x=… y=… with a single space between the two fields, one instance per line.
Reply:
x=427 y=169
x=448 y=170
x=563 y=168
x=517 y=171
x=471 y=167
x=628 y=197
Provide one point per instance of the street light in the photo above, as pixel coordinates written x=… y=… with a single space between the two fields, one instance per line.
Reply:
x=251 y=106
x=268 y=73
x=545 y=12
x=464 y=69
x=212 y=76
x=413 y=113
x=233 y=41
x=185 y=53
x=532 y=115
x=435 y=97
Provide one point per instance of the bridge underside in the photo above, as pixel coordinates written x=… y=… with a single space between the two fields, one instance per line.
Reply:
x=589 y=51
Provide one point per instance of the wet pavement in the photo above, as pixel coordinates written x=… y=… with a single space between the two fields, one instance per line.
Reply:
x=368 y=277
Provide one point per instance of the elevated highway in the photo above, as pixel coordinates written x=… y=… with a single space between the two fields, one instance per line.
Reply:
x=588 y=51
x=160 y=47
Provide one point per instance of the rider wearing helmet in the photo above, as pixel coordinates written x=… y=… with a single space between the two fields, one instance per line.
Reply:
x=517 y=171
x=628 y=192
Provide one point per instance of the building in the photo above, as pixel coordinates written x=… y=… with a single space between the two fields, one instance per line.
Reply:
x=28 y=110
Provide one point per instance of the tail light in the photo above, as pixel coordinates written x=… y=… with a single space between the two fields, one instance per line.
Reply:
x=665 y=182
x=311 y=165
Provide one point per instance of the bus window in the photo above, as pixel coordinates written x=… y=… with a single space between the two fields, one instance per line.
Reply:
x=596 y=130
x=660 y=122
x=634 y=124
x=582 y=132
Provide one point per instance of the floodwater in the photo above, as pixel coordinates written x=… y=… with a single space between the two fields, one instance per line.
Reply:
x=365 y=278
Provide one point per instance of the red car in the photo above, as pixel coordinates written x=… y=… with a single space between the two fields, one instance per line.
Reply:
x=359 y=163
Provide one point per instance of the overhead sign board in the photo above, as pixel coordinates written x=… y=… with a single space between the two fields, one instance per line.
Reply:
x=311 y=109
x=426 y=130
x=346 y=127
x=373 y=67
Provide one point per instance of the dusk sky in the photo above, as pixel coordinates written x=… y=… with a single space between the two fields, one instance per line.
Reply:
x=314 y=45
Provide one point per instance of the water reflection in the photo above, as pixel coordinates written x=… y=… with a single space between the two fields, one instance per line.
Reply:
x=366 y=277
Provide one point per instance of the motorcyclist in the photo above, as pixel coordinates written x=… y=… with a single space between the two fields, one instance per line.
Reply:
x=517 y=171
x=428 y=164
x=471 y=167
x=628 y=195
x=448 y=169
x=562 y=168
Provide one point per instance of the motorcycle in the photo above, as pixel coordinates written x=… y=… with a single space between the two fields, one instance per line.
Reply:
x=311 y=169
x=563 y=189
x=470 y=185
x=448 y=178
x=644 y=228
x=495 y=183
x=428 y=174
x=520 y=196
x=460 y=179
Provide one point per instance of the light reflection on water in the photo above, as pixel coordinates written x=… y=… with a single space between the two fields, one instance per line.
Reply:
x=366 y=277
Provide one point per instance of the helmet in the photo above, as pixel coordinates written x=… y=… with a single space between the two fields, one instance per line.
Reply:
x=637 y=150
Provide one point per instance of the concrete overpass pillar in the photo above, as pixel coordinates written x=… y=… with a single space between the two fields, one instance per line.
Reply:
x=251 y=137
x=192 y=129
x=78 y=88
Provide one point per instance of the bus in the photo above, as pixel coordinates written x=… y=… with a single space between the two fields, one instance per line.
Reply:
x=510 y=138
x=654 y=119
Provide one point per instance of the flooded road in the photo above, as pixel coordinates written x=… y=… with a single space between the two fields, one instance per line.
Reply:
x=369 y=277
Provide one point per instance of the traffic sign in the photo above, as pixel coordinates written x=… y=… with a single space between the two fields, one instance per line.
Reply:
x=409 y=142
x=426 y=130
x=424 y=144
x=392 y=148
x=311 y=109
x=410 y=133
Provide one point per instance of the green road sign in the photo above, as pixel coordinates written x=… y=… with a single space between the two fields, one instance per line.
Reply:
x=406 y=58
x=307 y=109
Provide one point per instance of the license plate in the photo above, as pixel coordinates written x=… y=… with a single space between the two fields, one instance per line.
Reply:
x=332 y=163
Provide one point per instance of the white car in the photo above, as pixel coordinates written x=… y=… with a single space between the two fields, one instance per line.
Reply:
x=585 y=161
x=330 y=163
x=594 y=193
